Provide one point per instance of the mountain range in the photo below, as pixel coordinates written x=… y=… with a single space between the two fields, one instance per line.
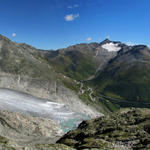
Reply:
x=110 y=71
x=115 y=71
x=69 y=85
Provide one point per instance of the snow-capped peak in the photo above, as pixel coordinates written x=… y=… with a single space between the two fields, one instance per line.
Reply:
x=111 y=46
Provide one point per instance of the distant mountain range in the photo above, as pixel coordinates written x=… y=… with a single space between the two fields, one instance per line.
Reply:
x=66 y=86
x=82 y=61
x=102 y=76
x=127 y=76
x=113 y=69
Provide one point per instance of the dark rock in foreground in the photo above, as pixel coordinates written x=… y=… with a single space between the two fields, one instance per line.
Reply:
x=126 y=129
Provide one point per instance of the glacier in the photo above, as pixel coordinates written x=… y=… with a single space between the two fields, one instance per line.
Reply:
x=27 y=104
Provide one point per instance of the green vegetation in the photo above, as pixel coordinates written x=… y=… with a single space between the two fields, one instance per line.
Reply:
x=101 y=105
x=131 y=84
x=5 y=144
x=74 y=65
x=127 y=128
x=109 y=105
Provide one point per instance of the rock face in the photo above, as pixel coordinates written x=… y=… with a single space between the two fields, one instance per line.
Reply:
x=24 y=68
x=52 y=147
x=126 y=129
x=24 y=130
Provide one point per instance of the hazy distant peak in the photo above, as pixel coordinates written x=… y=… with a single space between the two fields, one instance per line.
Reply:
x=105 y=41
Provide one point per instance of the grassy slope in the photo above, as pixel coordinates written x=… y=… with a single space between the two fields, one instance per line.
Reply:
x=132 y=84
x=100 y=104
x=74 y=64
x=79 y=66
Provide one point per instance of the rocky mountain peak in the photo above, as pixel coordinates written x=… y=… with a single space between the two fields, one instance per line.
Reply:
x=133 y=49
x=140 y=47
x=105 y=41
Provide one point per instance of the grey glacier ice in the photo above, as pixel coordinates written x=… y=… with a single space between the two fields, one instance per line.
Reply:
x=27 y=104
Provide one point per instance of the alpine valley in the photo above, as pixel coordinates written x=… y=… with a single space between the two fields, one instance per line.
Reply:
x=46 y=93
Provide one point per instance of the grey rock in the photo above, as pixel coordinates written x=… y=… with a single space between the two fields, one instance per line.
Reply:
x=24 y=130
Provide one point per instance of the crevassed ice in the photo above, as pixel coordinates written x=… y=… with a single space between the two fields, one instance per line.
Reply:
x=111 y=47
x=19 y=102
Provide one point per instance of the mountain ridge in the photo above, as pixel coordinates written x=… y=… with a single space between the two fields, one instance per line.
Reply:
x=90 y=80
x=73 y=66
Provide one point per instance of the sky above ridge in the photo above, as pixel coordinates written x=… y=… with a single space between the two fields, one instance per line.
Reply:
x=53 y=24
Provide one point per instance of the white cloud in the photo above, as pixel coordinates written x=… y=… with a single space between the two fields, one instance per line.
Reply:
x=71 y=17
x=74 y=6
x=13 y=35
x=89 y=39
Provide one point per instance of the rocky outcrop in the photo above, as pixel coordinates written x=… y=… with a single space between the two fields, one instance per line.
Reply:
x=126 y=129
x=52 y=147
x=24 y=130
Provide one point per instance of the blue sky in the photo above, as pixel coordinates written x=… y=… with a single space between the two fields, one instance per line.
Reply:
x=53 y=24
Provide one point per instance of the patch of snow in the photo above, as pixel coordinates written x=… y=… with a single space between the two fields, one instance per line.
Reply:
x=111 y=47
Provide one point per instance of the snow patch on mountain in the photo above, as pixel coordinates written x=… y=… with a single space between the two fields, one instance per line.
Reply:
x=111 y=47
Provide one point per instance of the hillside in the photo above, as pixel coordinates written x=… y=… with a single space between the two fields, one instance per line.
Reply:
x=80 y=61
x=126 y=76
x=97 y=77
x=23 y=68
x=126 y=129
x=40 y=89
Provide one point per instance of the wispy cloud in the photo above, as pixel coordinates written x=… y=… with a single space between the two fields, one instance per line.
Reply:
x=71 y=17
x=73 y=6
x=13 y=34
x=89 y=39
